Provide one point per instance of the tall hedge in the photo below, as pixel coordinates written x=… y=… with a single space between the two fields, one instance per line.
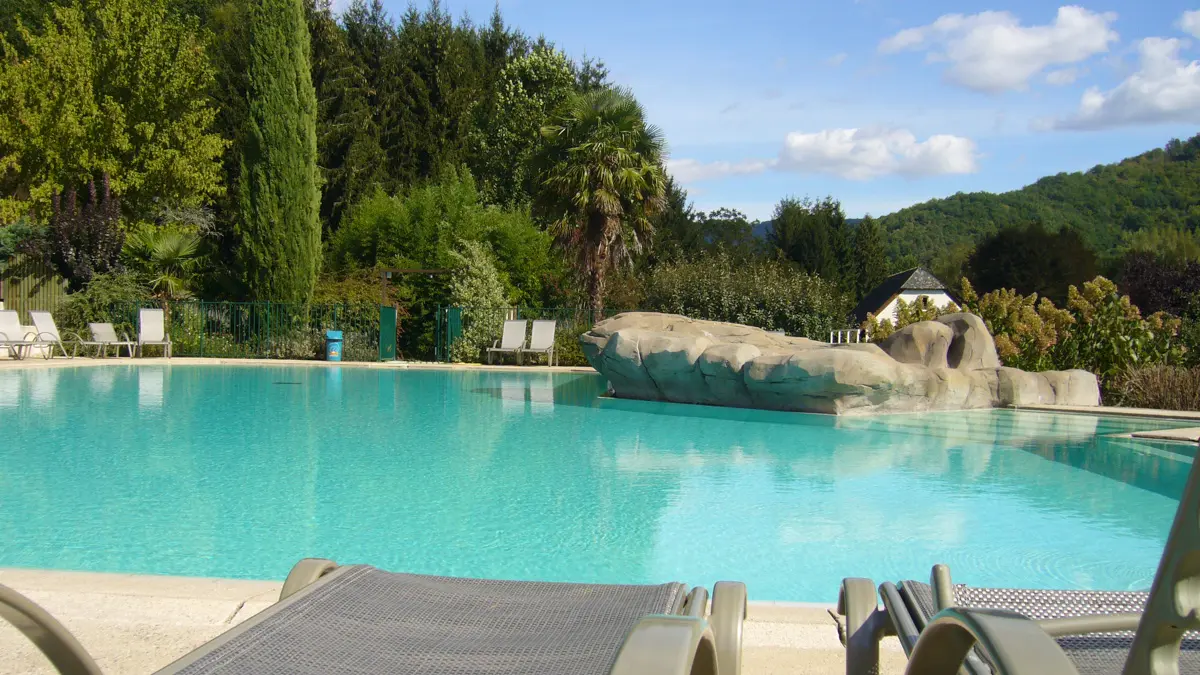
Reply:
x=278 y=193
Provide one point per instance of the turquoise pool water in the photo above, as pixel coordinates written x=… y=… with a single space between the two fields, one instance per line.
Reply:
x=239 y=471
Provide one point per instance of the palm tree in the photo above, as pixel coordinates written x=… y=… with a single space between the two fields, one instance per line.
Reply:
x=601 y=179
x=167 y=257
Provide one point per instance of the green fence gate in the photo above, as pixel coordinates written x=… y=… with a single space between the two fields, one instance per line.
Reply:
x=387 y=333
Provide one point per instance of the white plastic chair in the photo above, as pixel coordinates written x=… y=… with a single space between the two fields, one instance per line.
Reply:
x=152 y=330
x=511 y=341
x=104 y=335
x=47 y=332
x=542 y=341
x=13 y=337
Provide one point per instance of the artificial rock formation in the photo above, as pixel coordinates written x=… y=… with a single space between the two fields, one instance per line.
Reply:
x=947 y=364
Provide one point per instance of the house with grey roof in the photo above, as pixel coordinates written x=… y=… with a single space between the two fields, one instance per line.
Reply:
x=909 y=286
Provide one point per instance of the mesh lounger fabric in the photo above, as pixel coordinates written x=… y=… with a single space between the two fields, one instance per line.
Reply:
x=369 y=621
x=1093 y=654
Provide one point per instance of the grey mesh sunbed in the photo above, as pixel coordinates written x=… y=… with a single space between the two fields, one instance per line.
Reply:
x=358 y=619
x=943 y=626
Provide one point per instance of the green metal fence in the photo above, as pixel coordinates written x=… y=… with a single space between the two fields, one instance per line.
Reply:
x=480 y=326
x=261 y=329
x=28 y=284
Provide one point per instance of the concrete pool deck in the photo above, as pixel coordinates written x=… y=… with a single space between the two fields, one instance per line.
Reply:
x=136 y=624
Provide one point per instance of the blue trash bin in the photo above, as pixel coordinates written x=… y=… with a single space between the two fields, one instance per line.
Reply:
x=333 y=345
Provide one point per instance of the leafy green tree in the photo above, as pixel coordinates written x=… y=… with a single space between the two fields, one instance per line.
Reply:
x=1155 y=190
x=870 y=256
x=1175 y=245
x=117 y=87
x=601 y=180
x=531 y=86
x=278 y=227
x=676 y=230
x=1031 y=259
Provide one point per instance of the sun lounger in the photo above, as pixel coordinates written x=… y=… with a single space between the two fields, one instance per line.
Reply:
x=15 y=338
x=47 y=332
x=511 y=341
x=542 y=341
x=104 y=335
x=152 y=331
x=943 y=626
x=359 y=619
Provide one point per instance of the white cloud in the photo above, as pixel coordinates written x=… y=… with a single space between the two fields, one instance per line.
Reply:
x=861 y=154
x=1190 y=23
x=1062 y=76
x=992 y=51
x=692 y=170
x=1165 y=88
x=836 y=60
x=855 y=154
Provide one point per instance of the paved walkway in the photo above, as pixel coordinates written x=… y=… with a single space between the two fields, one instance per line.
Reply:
x=137 y=624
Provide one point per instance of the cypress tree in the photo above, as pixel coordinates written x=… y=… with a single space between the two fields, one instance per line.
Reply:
x=279 y=195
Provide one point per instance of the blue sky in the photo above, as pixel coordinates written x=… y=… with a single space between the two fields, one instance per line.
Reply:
x=884 y=103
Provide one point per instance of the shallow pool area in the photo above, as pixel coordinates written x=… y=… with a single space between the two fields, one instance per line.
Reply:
x=238 y=471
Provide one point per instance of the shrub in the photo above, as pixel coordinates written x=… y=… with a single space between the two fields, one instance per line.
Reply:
x=1099 y=330
x=1162 y=387
x=921 y=309
x=476 y=287
x=769 y=294
x=1109 y=335
x=1026 y=329
x=96 y=302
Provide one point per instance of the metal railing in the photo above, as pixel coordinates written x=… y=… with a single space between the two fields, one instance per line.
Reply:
x=260 y=329
x=847 y=336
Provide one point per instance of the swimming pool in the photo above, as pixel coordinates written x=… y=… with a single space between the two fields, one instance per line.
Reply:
x=238 y=471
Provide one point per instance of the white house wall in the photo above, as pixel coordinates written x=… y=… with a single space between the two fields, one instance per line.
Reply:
x=939 y=298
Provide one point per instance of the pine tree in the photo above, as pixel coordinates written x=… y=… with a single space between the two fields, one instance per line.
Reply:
x=870 y=256
x=348 y=149
x=802 y=231
x=279 y=199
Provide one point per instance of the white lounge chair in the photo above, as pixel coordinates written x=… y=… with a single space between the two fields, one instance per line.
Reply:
x=14 y=337
x=511 y=341
x=104 y=335
x=47 y=332
x=152 y=330
x=542 y=341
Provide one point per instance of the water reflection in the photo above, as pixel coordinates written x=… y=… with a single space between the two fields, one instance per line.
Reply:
x=528 y=475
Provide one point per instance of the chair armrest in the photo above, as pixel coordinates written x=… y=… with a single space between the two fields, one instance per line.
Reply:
x=856 y=602
x=726 y=619
x=304 y=573
x=46 y=633
x=1014 y=644
x=668 y=645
